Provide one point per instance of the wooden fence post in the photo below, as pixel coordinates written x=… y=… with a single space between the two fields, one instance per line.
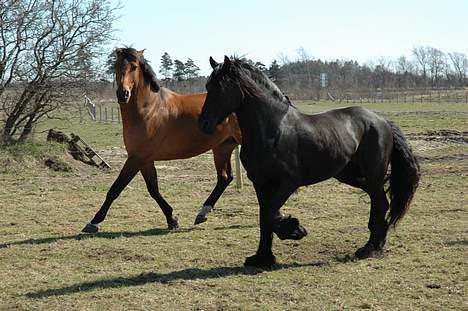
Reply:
x=238 y=168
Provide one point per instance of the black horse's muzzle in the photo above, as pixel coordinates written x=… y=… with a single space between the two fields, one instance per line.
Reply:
x=207 y=125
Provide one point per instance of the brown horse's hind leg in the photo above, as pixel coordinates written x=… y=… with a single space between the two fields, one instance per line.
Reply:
x=222 y=158
x=151 y=180
x=129 y=170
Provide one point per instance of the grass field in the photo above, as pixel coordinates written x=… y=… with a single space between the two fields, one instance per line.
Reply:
x=135 y=263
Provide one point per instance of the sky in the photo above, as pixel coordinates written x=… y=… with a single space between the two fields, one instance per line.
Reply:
x=264 y=30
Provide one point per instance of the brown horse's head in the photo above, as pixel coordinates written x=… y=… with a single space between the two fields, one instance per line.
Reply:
x=131 y=71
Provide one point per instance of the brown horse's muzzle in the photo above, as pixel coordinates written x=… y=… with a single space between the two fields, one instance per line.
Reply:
x=123 y=96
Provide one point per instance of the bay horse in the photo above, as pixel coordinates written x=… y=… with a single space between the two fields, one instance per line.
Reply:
x=283 y=149
x=159 y=124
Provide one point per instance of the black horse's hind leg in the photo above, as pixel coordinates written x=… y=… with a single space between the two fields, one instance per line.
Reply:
x=151 y=179
x=129 y=170
x=270 y=201
x=222 y=159
x=378 y=226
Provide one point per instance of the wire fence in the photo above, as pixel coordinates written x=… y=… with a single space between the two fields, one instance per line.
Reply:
x=110 y=113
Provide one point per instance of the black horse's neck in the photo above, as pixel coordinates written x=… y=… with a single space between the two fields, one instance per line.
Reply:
x=260 y=118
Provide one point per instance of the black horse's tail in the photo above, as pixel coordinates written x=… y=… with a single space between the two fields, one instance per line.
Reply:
x=404 y=178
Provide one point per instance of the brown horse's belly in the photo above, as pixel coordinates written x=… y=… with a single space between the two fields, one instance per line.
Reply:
x=186 y=148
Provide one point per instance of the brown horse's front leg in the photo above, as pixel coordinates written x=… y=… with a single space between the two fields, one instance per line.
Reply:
x=151 y=180
x=129 y=170
x=222 y=159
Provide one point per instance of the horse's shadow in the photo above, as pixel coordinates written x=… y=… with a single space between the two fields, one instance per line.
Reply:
x=162 y=278
x=99 y=235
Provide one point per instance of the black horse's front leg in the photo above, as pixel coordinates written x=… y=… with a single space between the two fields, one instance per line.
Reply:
x=289 y=228
x=129 y=170
x=271 y=198
x=264 y=257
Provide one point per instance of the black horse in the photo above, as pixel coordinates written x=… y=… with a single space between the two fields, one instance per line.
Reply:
x=283 y=149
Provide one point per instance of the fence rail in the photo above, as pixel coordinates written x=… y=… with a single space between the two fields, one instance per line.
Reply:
x=101 y=113
x=105 y=113
x=396 y=97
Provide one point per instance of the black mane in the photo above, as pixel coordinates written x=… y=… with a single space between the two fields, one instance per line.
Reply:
x=250 y=78
x=131 y=55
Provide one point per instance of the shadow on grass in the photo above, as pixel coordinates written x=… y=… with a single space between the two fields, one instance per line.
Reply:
x=457 y=242
x=163 y=278
x=232 y=227
x=99 y=235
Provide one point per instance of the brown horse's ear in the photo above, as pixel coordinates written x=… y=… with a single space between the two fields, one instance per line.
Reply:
x=118 y=52
x=213 y=63
x=140 y=53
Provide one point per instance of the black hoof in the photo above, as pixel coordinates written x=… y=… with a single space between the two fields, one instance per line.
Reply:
x=288 y=228
x=260 y=261
x=200 y=219
x=90 y=228
x=174 y=224
x=368 y=251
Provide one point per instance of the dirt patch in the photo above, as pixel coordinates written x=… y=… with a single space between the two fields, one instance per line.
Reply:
x=441 y=135
x=57 y=165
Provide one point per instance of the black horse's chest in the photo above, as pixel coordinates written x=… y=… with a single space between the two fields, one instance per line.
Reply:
x=267 y=162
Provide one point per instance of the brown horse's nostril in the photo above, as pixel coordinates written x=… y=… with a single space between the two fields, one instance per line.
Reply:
x=126 y=94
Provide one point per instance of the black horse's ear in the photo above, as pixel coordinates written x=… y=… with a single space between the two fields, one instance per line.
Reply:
x=213 y=63
x=149 y=75
x=227 y=62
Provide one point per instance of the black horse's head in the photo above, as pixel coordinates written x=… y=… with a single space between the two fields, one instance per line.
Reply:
x=224 y=95
x=130 y=69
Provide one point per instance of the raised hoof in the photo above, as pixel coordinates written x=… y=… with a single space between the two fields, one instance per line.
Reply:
x=265 y=261
x=90 y=228
x=289 y=228
x=174 y=224
x=369 y=252
x=200 y=219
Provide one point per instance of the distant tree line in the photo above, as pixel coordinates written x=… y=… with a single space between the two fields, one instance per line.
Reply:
x=178 y=70
x=426 y=68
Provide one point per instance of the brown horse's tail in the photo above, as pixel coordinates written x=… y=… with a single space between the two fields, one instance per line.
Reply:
x=404 y=178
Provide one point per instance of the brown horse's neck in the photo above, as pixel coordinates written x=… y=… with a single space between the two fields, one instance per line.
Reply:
x=146 y=106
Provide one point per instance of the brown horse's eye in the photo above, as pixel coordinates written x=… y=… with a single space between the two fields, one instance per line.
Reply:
x=132 y=67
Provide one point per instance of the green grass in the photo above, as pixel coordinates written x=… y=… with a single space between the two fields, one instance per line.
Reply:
x=136 y=264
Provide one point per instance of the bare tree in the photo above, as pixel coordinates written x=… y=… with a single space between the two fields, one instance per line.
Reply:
x=48 y=51
x=422 y=60
x=437 y=64
x=460 y=66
